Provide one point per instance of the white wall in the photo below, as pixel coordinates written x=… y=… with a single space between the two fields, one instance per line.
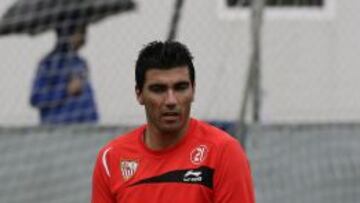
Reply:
x=311 y=66
x=309 y=63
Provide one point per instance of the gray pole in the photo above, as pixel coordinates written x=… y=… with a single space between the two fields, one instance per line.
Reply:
x=257 y=14
x=253 y=80
x=175 y=20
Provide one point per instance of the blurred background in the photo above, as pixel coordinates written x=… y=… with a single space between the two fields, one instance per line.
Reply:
x=284 y=72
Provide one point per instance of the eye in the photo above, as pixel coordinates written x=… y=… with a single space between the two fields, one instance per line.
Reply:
x=182 y=86
x=157 y=88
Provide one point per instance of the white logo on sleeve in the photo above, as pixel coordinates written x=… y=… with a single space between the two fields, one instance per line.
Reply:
x=192 y=176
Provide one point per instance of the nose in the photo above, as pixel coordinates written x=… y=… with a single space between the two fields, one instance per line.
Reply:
x=170 y=99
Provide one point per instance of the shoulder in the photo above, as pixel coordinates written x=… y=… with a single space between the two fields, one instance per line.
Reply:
x=218 y=140
x=220 y=145
x=46 y=61
x=74 y=58
x=213 y=134
x=78 y=58
x=123 y=141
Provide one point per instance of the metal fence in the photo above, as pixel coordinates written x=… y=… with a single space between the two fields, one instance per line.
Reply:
x=290 y=163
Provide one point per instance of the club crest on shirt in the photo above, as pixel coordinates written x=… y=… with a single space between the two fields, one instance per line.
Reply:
x=128 y=168
x=198 y=154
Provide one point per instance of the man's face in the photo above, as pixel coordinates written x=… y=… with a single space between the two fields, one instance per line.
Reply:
x=167 y=96
x=78 y=40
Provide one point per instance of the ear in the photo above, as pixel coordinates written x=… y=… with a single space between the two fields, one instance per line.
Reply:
x=139 y=96
x=193 y=89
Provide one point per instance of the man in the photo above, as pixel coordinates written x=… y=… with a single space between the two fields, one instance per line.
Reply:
x=173 y=158
x=61 y=89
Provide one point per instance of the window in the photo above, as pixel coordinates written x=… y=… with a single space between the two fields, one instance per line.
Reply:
x=279 y=3
x=279 y=9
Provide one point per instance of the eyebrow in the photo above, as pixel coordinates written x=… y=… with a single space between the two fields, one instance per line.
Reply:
x=159 y=84
x=182 y=83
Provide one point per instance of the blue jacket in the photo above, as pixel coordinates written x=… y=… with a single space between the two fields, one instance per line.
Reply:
x=49 y=91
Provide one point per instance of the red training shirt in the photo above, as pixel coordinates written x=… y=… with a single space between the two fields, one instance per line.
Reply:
x=206 y=166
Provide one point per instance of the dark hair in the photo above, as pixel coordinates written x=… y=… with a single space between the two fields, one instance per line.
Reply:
x=162 y=55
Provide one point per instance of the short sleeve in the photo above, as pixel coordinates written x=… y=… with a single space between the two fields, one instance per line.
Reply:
x=101 y=192
x=233 y=181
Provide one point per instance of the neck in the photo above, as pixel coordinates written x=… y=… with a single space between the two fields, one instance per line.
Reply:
x=158 y=140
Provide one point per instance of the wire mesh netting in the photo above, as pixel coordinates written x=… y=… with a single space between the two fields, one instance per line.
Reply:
x=306 y=163
x=304 y=52
x=50 y=164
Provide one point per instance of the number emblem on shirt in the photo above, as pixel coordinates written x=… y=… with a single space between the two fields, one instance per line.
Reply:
x=198 y=155
x=128 y=168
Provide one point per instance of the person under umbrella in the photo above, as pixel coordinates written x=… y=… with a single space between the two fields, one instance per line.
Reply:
x=61 y=89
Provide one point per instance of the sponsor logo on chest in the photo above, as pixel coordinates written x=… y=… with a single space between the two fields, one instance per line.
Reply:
x=192 y=176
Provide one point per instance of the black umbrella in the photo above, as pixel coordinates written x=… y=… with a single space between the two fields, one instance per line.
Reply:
x=36 y=16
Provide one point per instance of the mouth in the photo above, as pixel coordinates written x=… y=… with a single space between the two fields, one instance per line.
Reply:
x=170 y=116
